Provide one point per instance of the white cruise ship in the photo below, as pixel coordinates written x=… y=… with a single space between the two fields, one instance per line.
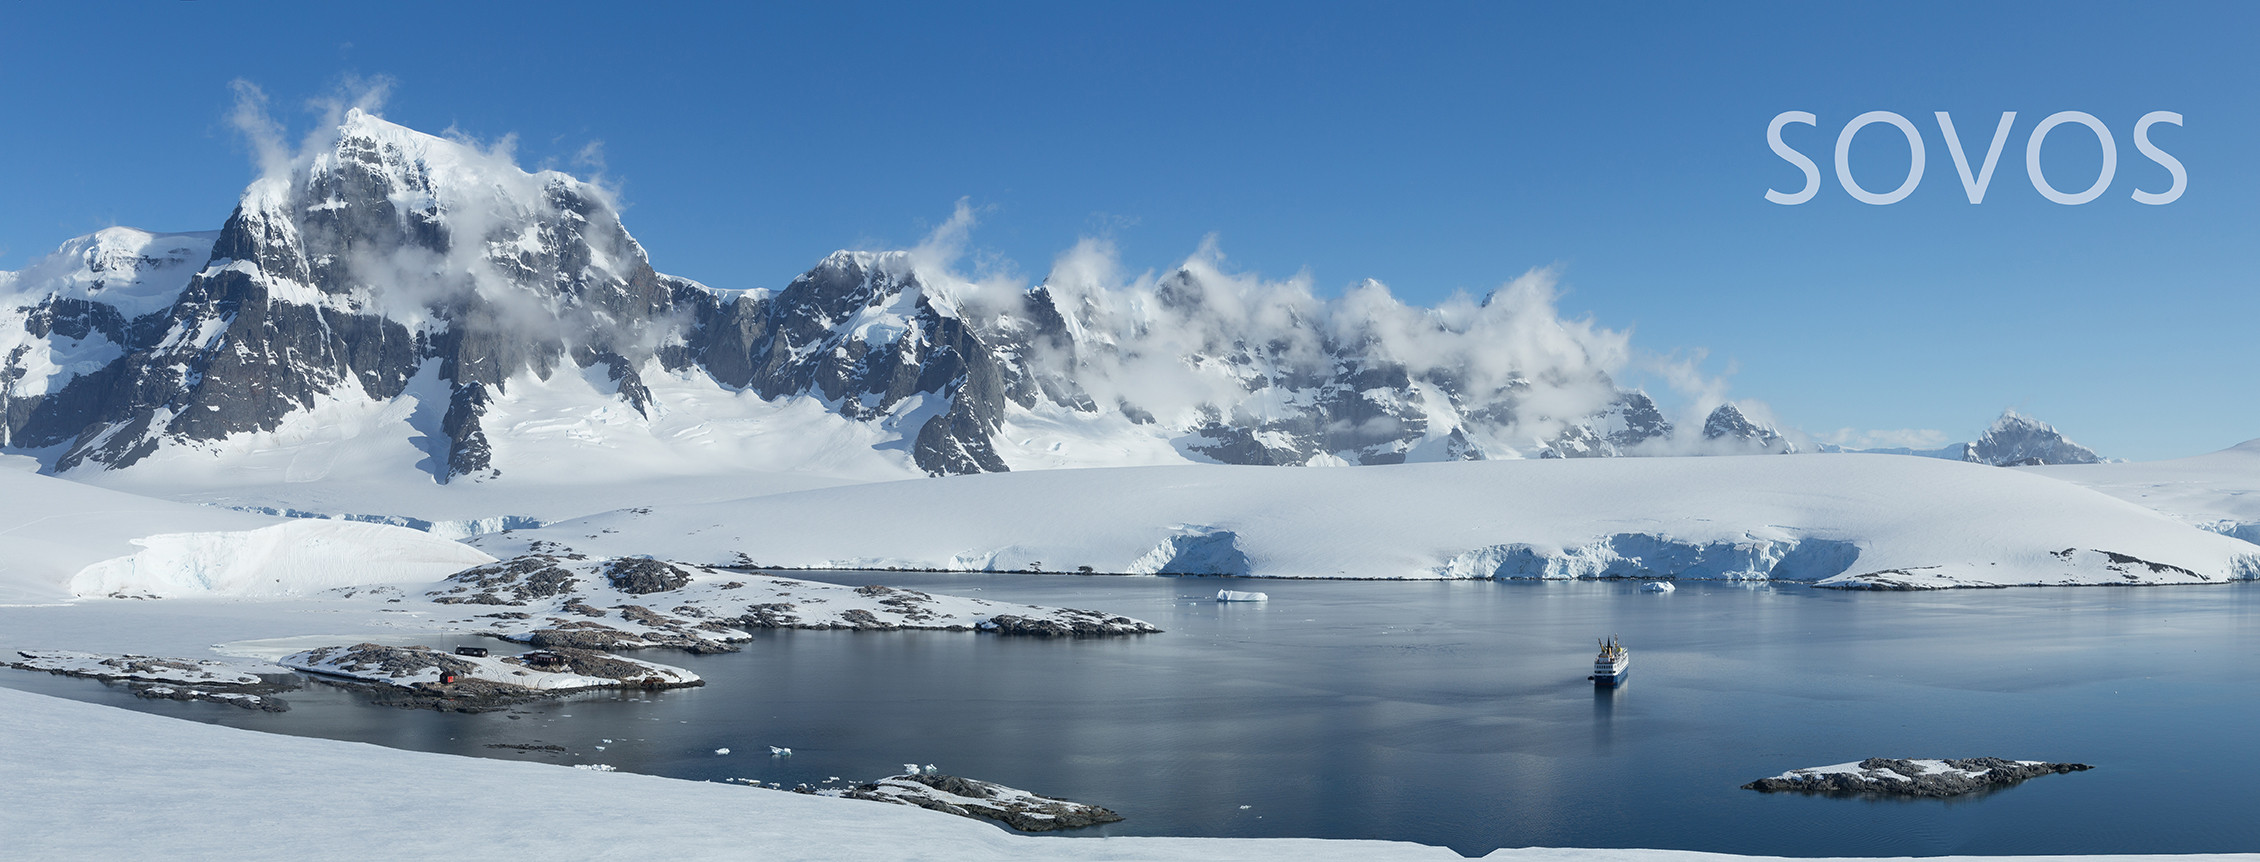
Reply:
x=1609 y=669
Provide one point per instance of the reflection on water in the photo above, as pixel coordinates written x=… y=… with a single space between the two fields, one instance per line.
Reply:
x=1459 y=713
x=1604 y=716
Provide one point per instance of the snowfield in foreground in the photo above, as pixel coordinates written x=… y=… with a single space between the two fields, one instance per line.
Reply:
x=1859 y=521
x=92 y=782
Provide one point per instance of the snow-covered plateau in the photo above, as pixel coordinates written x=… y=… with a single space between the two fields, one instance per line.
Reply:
x=2217 y=491
x=1853 y=521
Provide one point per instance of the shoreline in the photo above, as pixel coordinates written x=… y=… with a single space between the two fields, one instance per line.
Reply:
x=80 y=763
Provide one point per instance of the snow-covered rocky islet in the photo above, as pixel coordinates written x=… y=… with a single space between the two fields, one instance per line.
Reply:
x=1898 y=777
x=235 y=682
x=965 y=797
x=565 y=599
x=418 y=676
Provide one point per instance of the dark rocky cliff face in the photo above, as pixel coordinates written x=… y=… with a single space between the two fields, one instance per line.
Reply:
x=303 y=293
x=395 y=255
x=1727 y=426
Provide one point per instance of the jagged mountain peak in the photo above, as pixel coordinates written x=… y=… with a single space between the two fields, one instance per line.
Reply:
x=2018 y=440
x=495 y=317
x=1728 y=427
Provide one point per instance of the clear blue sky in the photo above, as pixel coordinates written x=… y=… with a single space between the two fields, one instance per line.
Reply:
x=1434 y=147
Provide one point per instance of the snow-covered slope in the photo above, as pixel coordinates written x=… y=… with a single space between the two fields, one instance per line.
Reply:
x=291 y=558
x=2219 y=491
x=60 y=539
x=51 y=528
x=1905 y=521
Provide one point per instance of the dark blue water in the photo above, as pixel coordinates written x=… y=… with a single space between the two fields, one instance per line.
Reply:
x=1458 y=713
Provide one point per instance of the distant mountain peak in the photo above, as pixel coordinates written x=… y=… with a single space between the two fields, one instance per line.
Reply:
x=1727 y=425
x=2018 y=440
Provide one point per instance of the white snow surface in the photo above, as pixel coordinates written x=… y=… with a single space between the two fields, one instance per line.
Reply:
x=1837 y=519
x=61 y=539
x=51 y=528
x=2218 y=491
x=131 y=270
x=290 y=558
x=569 y=448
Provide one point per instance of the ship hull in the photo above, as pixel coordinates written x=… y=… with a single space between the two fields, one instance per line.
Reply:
x=1610 y=675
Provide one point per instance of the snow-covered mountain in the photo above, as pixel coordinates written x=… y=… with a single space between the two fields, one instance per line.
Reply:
x=2017 y=440
x=2014 y=440
x=400 y=304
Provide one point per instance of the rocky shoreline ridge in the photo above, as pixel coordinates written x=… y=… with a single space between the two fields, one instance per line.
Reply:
x=419 y=677
x=250 y=685
x=556 y=599
x=1933 y=778
x=966 y=797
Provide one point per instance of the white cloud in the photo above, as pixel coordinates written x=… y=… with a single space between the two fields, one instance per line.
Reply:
x=1896 y=438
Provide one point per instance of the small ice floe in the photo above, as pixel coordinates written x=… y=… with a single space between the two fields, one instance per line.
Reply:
x=597 y=767
x=721 y=751
x=1238 y=596
x=1657 y=587
x=780 y=751
x=910 y=769
x=930 y=769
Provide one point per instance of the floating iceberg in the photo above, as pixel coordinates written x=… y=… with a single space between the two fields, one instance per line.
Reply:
x=1657 y=587
x=1237 y=596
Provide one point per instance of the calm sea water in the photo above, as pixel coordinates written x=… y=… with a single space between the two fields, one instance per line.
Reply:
x=1458 y=713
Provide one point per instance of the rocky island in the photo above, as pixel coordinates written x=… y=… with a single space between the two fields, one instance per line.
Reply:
x=425 y=678
x=965 y=797
x=559 y=599
x=248 y=684
x=1889 y=777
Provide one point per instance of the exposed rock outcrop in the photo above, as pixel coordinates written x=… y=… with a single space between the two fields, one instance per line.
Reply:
x=1889 y=777
x=966 y=797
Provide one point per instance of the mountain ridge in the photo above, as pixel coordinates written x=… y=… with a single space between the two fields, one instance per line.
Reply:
x=393 y=257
